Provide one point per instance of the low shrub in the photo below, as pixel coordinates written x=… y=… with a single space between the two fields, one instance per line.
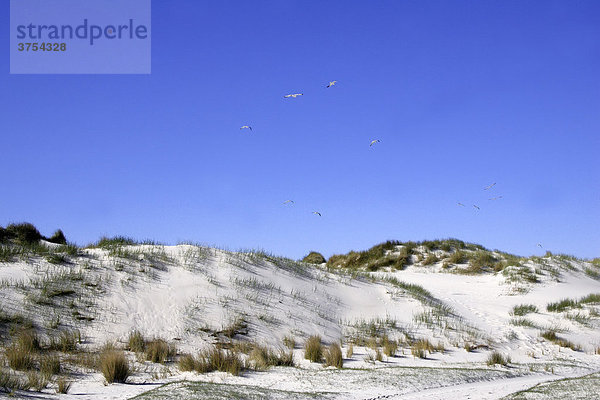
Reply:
x=314 y=258
x=114 y=366
x=58 y=237
x=333 y=356
x=313 y=350
x=23 y=233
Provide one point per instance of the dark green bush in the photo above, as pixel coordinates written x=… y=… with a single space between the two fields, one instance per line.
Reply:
x=58 y=237
x=314 y=258
x=24 y=233
x=3 y=235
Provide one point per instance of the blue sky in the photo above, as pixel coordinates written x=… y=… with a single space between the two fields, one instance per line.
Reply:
x=461 y=94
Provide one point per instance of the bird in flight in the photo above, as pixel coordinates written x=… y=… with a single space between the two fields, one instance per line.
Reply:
x=495 y=198
x=288 y=202
x=374 y=141
x=489 y=187
x=246 y=127
x=331 y=84
x=294 y=95
x=476 y=207
x=540 y=245
x=317 y=213
x=461 y=204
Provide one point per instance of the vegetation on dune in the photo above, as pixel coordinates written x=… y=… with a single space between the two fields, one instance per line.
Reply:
x=106 y=242
x=114 y=366
x=313 y=349
x=565 y=304
x=523 y=309
x=58 y=237
x=314 y=258
x=333 y=356
x=497 y=358
x=551 y=336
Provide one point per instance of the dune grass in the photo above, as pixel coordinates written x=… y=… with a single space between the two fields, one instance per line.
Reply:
x=313 y=350
x=333 y=356
x=114 y=366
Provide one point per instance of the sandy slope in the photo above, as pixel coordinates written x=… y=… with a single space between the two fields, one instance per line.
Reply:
x=186 y=293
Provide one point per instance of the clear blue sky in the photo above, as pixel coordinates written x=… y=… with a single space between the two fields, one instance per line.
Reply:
x=461 y=94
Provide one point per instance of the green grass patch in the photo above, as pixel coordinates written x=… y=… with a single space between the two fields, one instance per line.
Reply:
x=523 y=309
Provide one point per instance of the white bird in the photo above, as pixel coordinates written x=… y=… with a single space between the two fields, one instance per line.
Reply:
x=489 y=187
x=288 y=201
x=317 y=213
x=461 y=204
x=495 y=198
x=331 y=84
x=294 y=95
x=476 y=207
x=374 y=141
x=246 y=127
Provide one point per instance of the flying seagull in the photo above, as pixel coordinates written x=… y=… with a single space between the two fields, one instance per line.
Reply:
x=495 y=198
x=540 y=245
x=317 y=213
x=476 y=207
x=288 y=201
x=489 y=187
x=246 y=127
x=331 y=84
x=374 y=141
x=461 y=204
x=294 y=95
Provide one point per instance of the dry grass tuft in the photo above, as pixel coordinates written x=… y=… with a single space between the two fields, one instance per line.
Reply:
x=50 y=365
x=136 y=342
x=313 y=350
x=37 y=381
x=497 y=358
x=114 y=366
x=159 y=351
x=18 y=358
x=63 y=385
x=333 y=356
